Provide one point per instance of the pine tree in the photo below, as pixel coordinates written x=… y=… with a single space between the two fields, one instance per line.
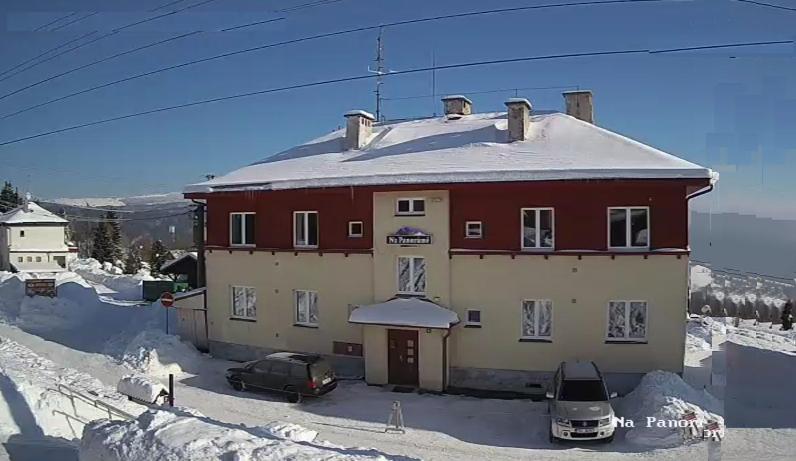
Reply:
x=114 y=236
x=100 y=247
x=158 y=255
x=787 y=316
x=132 y=263
x=9 y=197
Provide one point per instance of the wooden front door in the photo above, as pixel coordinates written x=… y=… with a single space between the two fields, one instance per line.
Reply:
x=402 y=357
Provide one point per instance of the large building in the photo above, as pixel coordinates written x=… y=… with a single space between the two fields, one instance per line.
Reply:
x=33 y=239
x=469 y=250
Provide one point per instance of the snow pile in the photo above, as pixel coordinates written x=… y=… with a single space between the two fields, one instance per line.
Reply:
x=127 y=286
x=168 y=436
x=289 y=431
x=155 y=353
x=29 y=385
x=701 y=277
x=666 y=397
x=140 y=387
x=698 y=336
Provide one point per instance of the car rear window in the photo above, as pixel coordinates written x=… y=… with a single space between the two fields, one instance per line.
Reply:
x=320 y=370
x=582 y=391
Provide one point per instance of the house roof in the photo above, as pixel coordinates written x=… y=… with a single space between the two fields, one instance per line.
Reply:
x=472 y=148
x=34 y=215
x=186 y=255
x=407 y=312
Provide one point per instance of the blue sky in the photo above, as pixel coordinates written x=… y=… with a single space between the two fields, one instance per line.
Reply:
x=733 y=110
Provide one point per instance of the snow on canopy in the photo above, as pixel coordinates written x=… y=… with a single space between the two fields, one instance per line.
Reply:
x=473 y=148
x=408 y=312
x=33 y=214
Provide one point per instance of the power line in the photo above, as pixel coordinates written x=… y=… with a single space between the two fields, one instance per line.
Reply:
x=251 y=24
x=499 y=90
x=54 y=21
x=364 y=77
x=768 y=5
x=321 y=36
x=725 y=45
x=166 y=5
x=306 y=5
x=73 y=21
x=109 y=34
x=48 y=51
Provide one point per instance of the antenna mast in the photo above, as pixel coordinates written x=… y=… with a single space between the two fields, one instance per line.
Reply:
x=379 y=72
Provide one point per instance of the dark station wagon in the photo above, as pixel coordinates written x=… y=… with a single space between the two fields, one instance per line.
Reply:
x=296 y=375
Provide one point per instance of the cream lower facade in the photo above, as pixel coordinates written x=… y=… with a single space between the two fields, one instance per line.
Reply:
x=493 y=355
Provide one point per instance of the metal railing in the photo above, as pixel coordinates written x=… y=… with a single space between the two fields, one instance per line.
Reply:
x=73 y=395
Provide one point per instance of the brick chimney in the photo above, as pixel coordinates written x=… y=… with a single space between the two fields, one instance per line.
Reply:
x=519 y=116
x=358 y=128
x=457 y=105
x=579 y=105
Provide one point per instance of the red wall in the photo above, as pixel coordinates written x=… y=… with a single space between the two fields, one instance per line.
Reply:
x=580 y=212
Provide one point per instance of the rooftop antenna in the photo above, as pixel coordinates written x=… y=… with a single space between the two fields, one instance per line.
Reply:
x=380 y=71
x=434 y=81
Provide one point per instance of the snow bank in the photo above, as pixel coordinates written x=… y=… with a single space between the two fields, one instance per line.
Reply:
x=127 y=286
x=666 y=397
x=140 y=387
x=155 y=353
x=701 y=277
x=289 y=431
x=177 y=436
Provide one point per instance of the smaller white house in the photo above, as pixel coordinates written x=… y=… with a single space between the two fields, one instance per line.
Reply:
x=33 y=239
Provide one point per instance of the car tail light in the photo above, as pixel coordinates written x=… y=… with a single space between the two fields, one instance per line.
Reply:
x=311 y=384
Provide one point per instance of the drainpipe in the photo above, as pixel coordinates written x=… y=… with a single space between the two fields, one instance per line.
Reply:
x=445 y=359
x=199 y=242
x=702 y=191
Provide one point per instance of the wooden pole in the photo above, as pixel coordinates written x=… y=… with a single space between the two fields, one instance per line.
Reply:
x=171 y=390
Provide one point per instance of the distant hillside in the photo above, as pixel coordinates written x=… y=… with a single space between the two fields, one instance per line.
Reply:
x=137 y=201
x=744 y=242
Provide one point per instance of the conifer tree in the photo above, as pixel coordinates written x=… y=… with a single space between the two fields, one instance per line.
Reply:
x=99 y=248
x=9 y=197
x=114 y=236
x=157 y=256
x=787 y=316
x=132 y=263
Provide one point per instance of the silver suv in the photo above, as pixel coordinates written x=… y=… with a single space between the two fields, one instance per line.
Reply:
x=579 y=404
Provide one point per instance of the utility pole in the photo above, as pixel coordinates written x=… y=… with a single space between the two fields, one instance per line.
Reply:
x=199 y=243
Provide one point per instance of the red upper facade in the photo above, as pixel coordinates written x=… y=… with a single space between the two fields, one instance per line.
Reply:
x=580 y=213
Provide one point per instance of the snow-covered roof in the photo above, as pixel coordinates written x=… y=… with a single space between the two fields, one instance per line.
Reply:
x=187 y=254
x=33 y=215
x=473 y=148
x=48 y=266
x=407 y=312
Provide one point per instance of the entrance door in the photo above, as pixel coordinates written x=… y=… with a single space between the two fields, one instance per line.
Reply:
x=402 y=357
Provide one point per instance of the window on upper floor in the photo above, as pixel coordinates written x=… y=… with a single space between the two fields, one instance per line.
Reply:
x=22 y=233
x=306 y=307
x=38 y=259
x=410 y=206
x=628 y=227
x=244 y=303
x=537 y=228
x=241 y=229
x=30 y=259
x=355 y=229
x=537 y=319
x=20 y=259
x=627 y=321
x=473 y=318
x=305 y=229
x=411 y=275
x=473 y=230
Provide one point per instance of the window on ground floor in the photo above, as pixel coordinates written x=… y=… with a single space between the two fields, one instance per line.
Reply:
x=627 y=321
x=628 y=227
x=356 y=229
x=473 y=230
x=537 y=228
x=411 y=274
x=244 y=302
x=537 y=319
x=306 y=307
x=473 y=318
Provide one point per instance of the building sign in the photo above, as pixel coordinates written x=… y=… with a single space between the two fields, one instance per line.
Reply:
x=40 y=287
x=409 y=236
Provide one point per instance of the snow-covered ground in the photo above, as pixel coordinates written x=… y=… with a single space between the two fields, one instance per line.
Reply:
x=88 y=342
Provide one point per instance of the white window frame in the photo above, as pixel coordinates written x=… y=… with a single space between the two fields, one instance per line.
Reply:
x=467 y=320
x=306 y=214
x=627 y=338
x=536 y=314
x=411 y=211
x=628 y=226
x=411 y=274
x=296 y=308
x=538 y=246
x=244 y=237
x=467 y=230
x=351 y=233
x=232 y=303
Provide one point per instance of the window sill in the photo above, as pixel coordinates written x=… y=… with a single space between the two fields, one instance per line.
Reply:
x=472 y=325
x=305 y=247
x=355 y=236
x=468 y=237
x=305 y=325
x=536 y=340
x=407 y=294
x=537 y=249
x=242 y=245
x=409 y=215
x=645 y=248
x=242 y=319
x=625 y=341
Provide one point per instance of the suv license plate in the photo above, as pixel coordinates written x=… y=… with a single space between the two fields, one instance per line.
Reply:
x=326 y=380
x=584 y=431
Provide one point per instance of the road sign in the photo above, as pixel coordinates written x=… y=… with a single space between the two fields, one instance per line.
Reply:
x=167 y=299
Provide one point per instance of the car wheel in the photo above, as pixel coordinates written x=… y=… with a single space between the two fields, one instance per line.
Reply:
x=293 y=396
x=237 y=385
